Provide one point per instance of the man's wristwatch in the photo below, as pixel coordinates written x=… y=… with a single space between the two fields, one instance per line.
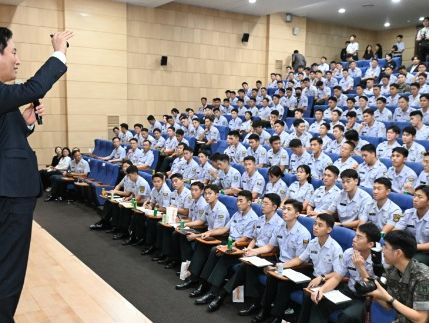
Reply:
x=391 y=300
x=323 y=278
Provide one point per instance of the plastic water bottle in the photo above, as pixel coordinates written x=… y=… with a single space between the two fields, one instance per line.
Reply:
x=229 y=244
x=382 y=239
x=155 y=211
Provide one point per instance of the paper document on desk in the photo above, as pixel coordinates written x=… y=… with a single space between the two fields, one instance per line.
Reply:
x=336 y=297
x=295 y=276
x=127 y=205
x=257 y=261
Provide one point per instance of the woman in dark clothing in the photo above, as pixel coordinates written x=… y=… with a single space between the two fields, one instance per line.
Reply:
x=378 y=51
x=390 y=62
x=62 y=164
x=369 y=54
x=57 y=157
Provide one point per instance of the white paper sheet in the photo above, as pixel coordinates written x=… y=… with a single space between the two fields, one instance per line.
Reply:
x=295 y=276
x=257 y=261
x=336 y=297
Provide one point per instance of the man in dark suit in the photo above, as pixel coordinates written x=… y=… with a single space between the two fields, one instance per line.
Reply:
x=20 y=183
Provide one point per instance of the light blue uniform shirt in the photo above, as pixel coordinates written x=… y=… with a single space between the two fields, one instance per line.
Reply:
x=241 y=225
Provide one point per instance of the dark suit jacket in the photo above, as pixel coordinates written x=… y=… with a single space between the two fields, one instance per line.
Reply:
x=19 y=176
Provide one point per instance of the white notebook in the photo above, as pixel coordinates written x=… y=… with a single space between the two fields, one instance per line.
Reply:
x=295 y=276
x=336 y=297
x=257 y=261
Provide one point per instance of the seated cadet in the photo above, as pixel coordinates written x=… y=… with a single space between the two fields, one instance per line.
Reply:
x=167 y=152
x=414 y=97
x=265 y=110
x=182 y=200
x=240 y=229
x=190 y=169
x=124 y=135
x=256 y=150
x=424 y=107
x=300 y=133
x=140 y=190
x=227 y=178
x=277 y=156
x=415 y=150
x=416 y=222
x=280 y=130
x=138 y=134
x=145 y=136
x=264 y=136
x=196 y=130
x=275 y=183
x=159 y=141
x=153 y=124
x=178 y=160
x=332 y=105
x=270 y=232
x=371 y=127
x=350 y=107
x=319 y=160
x=122 y=189
x=346 y=160
x=147 y=156
x=335 y=145
x=318 y=115
x=206 y=169
x=341 y=98
x=353 y=136
x=226 y=106
x=274 y=116
x=181 y=244
x=325 y=254
x=385 y=148
x=407 y=290
x=78 y=168
x=118 y=153
x=423 y=178
x=400 y=174
x=352 y=203
x=252 y=180
x=362 y=106
x=236 y=151
x=134 y=153
x=402 y=112
x=253 y=109
x=382 y=113
x=357 y=265
x=394 y=97
x=299 y=156
x=422 y=130
x=235 y=122
x=277 y=106
x=219 y=119
x=302 y=189
x=352 y=123
x=382 y=211
x=371 y=168
x=159 y=199
x=323 y=134
x=186 y=126
x=246 y=126
x=299 y=114
x=335 y=117
x=217 y=216
x=325 y=195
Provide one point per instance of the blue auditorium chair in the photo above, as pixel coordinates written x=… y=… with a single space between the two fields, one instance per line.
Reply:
x=155 y=158
x=333 y=156
x=424 y=143
x=417 y=167
x=316 y=183
x=191 y=141
x=387 y=162
x=147 y=177
x=97 y=147
x=257 y=208
x=358 y=159
x=308 y=222
x=219 y=147
x=238 y=167
x=289 y=178
x=230 y=202
x=404 y=201
x=372 y=140
x=264 y=172
x=223 y=131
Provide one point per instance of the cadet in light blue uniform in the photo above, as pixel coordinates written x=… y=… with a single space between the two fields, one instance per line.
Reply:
x=352 y=202
x=277 y=156
x=256 y=150
x=371 y=168
x=275 y=183
x=236 y=151
x=118 y=153
x=319 y=160
x=251 y=179
x=300 y=156
x=147 y=158
x=415 y=150
x=228 y=178
x=400 y=174
x=302 y=189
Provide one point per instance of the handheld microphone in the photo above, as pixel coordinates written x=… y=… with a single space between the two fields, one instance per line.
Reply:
x=52 y=35
x=38 y=118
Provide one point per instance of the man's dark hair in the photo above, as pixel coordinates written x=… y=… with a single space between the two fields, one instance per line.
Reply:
x=246 y=194
x=297 y=122
x=254 y=136
x=113 y=139
x=340 y=127
x=158 y=175
x=5 y=36
x=327 y=218
x=295 y=143
x=132 y=169
x=410 y=130
x=133 y=139
x=401 y=150
x=128 y=162
x=274 y=198
x=416 y=113
x=124 y=125
x=150 y=117
x=318 y=139
x=234 y=133
x=350 y=173
x=138 y=125
x=371 y=231
x=275 y=171
x=297 y=205
x=351 y=135
x=403 y=240
x=395 y=129
x=424 y=189
x=249 y=158
x=213 y=187
x=199 y=184
x=180 y=132
x=176 y=175
x=384 y=181
x=274 y=138
x=333 y=169
x=369 y=148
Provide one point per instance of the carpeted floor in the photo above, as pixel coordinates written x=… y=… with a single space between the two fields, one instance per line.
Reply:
x=147 y=285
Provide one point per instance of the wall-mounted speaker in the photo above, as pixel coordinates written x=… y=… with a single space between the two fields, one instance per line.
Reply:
x=295 y=31
x=245 y=38
x=164 y=60
x=288 y=17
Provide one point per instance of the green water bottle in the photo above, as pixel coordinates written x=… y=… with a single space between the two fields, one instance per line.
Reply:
x=229 y=244
x=134 y=203
x=155 y=211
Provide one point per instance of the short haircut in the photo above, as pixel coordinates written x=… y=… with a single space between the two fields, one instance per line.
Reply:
x=337 y=112
x=274 y=138
x=395 y=129
x=333 y=169
x=424 y=189
x=251 y=158
x=371 y=231
x=401 y=150
x=416 y=113
x=223 y=157
x=176 y=175
x=406 y=98
x=158 y=175
x=254 y=136
x=339 y=127
x=351 y=114
x=113 y=139
x=349 y=173
x=402 y=240
x=352 y=135
x=318 y=139
x=297 y=122
x=384 y=181
x=280 y=122
x=275 y=171
x=410 y=130
x=212 y=187
x=350 y=143
x=139 y=125
x=124 y=125
x=234 y=133
x=133 y=139
x=295 y=143
x=327 y=218
x=369 y=148
x=128 y=162
x=327 y=125
x=382 y=99
x=132 y=170
x=5 y=36
x=368 y=111
x=246 y=194
x=274 y=198
x=198 y=184
x=297 y=205
x=187 y=148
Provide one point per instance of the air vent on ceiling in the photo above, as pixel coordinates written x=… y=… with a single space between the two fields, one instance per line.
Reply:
x=368 y=5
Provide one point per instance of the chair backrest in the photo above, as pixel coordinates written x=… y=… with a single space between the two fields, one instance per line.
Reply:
x=264 y=173
x=417 y=167
x=316 y=183
x=366 y=189
x=289 y=178
x=358 y=158
x=112 y=172
x=387 y=162
x=257 y=208
x=404 y=201
x=307 y=222
x=230 y=202
x=97 y=147
x=219 y=147
x=238 y=167
x=333 y=156
x=223 y=131
x=155 y=158
x=344 y=236
x=372 y=140
x=191 y=141
x=147 y=177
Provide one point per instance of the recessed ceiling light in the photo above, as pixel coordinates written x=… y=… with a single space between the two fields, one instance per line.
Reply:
x=396 y=1
x=421 y=18
x=252 y=1
x=341 y=10
x=387 y=24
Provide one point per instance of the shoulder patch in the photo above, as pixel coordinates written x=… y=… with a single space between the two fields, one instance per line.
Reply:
x=305 y=241
x=142 y=189
x=396 y=217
